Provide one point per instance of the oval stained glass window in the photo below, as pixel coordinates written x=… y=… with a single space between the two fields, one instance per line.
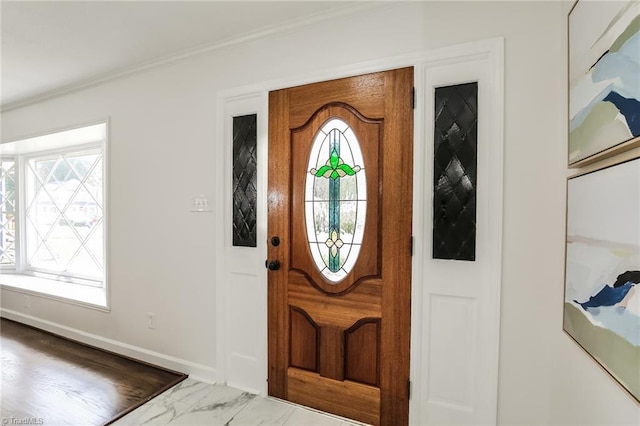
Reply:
x=335 y=200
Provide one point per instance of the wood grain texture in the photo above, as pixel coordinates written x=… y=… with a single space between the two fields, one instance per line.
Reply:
x=304 y=340
x=63 y=382
x=278 y=219
x=361 y=341
x=365 y=93
x=377 y=291
x=344 y=398
x=396 y=231
x=343 y=311
x=332 y=352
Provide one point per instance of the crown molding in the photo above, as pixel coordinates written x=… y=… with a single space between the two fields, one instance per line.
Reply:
x=288 y=26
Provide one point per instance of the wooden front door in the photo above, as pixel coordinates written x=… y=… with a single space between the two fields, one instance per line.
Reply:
x=339 y=226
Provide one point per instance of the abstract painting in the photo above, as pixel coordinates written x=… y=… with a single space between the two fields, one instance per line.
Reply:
x=604 y=76
x=602 y=298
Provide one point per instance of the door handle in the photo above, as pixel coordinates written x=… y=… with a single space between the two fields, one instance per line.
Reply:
x=274 y=265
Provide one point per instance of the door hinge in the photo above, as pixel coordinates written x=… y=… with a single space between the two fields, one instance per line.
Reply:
x=411 y=245
x=409 y=389
x=413 y=98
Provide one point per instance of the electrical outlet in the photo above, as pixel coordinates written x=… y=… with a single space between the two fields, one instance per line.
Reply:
x=27 y=302
x=151 y=320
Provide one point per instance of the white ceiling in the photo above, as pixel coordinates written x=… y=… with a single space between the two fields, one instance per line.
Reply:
x=48 y=46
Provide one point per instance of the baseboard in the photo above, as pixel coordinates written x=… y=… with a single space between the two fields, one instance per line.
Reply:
x=196 y=371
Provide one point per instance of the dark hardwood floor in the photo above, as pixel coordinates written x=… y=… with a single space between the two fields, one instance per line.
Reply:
x=55 y=381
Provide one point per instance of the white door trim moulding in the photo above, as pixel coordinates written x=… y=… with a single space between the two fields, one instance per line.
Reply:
x=241 y=284
x=482 y=62
x=488 y=52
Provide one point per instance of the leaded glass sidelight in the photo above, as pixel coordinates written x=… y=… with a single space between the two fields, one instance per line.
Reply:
x=455 y=172
x=245 y=138
x=335 y=199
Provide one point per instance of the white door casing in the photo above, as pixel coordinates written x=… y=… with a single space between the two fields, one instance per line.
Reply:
x=457 y=340
x=241 y=288
x=455 y=318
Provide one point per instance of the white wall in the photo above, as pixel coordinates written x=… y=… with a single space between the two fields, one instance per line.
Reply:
x=163 y=140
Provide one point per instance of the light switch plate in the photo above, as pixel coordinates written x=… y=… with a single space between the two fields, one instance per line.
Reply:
x=200 y=203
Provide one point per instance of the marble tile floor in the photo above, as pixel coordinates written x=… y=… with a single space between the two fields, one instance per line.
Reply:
x=194 y=403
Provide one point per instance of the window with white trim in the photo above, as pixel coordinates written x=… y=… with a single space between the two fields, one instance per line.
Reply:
x=52 y=216
x=7 y=211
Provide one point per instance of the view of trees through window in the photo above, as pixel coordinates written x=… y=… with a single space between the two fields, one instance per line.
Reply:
x=64 y=213
x=7 y=212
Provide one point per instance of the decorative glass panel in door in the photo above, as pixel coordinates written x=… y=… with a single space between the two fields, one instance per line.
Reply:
x=455 y=172
x=335 y=199
x=245 y=144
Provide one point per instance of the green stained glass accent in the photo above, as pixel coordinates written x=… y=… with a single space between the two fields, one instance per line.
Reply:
x=335 y=167
x=334 y=208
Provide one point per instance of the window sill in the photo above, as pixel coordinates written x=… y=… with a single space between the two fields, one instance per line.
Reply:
x=93 y=297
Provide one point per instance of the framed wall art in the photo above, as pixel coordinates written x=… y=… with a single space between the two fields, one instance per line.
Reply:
x=604 y=78
x=602 y=294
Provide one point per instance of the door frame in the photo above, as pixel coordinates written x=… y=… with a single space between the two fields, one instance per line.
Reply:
x=491 y=52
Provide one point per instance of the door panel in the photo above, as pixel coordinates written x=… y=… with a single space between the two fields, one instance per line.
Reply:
x=304 y=347
x=352 y=400
x=339 y=322
x=361 y=340
x=461 y=299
